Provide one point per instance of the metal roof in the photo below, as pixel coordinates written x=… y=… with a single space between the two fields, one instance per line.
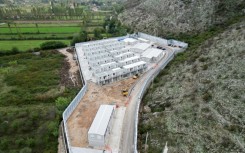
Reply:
x=129 y=59
x=127 y=53
x=142 y=46
x=107 y=64
x=101 y=120
x=117 y=69
x=152 y=52
x=129 y=40
x=134 y=64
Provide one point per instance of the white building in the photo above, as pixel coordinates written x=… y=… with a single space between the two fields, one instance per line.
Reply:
x=152 y=55
x=100 y=129
x=141 y=47
x=113 y=59
x=135 y=68
x=130 y=41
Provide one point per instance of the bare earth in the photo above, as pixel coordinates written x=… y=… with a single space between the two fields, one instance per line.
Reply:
x=73 y=65
x=82 y=117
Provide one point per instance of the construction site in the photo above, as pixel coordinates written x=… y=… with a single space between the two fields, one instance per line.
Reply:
x=111 y=68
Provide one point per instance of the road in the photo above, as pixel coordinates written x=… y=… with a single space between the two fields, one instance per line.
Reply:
x=127 y=140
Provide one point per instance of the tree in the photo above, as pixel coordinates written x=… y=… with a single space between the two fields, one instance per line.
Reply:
x=9 y=26
x=97 y=33
x=82 y=36
x=37 y=28
x=52 y=45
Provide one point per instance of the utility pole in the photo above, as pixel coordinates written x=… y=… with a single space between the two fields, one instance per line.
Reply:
x=165 y=149
x=146 y=141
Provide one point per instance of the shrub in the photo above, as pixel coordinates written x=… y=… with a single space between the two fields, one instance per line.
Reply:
x=4 y=143
x=207 y=96
x=61 y=103
x=26 y=150
x=97 y=33
x=82 y=36
x=15 y=50
x=52 y=45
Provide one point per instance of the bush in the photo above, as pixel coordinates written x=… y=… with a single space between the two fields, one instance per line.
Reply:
x=97 y=33
x=26 y=150
x=82 y=36
x=207 y=96
x=15 y=50
x=52 y=45
x=61 y=103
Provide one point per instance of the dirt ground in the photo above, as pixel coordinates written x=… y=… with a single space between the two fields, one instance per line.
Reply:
x=73 y=77
x=82 y=117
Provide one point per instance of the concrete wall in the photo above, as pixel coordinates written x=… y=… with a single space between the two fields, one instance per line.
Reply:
x=160 y=41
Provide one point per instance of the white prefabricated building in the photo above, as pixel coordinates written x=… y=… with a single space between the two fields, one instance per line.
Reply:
x=100 y=129
x=152 y=55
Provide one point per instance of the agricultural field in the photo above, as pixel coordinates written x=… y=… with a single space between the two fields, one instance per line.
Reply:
x=24 y=45
x=32 y=99
x=29 y=35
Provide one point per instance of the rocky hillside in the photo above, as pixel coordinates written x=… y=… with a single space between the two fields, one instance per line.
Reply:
x=163 y=17
x=198 y=105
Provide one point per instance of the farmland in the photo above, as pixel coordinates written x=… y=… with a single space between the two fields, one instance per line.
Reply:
x=24 y=45
x=29 y=34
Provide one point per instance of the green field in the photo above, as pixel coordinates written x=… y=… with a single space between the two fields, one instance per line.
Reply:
x=41 y=30
x=29 y=111
x=24 y=45
x=26 y=36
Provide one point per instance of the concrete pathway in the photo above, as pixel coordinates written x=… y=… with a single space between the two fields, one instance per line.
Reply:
x=86 y=150
x=115 y=136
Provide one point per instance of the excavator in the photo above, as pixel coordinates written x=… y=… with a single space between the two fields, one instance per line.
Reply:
x=136 y=76
x=125 y=92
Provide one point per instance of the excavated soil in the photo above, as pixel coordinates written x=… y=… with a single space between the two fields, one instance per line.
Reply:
x=82 y=118
x=69 y=73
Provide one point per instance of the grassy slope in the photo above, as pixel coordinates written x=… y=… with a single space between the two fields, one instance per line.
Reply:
x=24 y=45
x=198 y=97
x=29 y=85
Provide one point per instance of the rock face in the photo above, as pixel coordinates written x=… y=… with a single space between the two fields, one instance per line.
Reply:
x=205 y=100
x=161 y=17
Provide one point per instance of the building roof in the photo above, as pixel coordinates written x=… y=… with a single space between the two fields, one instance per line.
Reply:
x=134 y=65
x=142 y=46
x=144 y=40
x=130 y=40
x=111 y=63
x=129 y=59
x=101 y=120
x=117 y=69
x=127 y=53
x=152 y=52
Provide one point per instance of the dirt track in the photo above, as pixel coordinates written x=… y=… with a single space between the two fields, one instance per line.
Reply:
x=73 y=69
x=82 y=117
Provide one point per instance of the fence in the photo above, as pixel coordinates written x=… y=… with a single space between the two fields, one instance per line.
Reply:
x=147 y=83
x=159 y=40
x=68 y=111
